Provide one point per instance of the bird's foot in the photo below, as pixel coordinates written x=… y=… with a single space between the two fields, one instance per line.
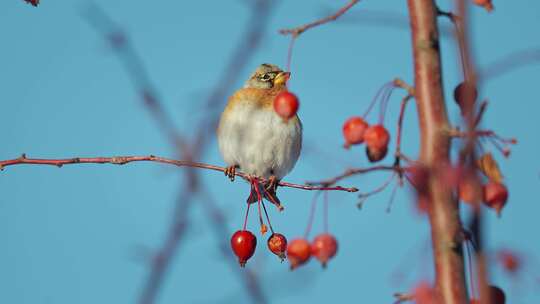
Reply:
x=272 y=183
x=230 y=172
x=270 y=192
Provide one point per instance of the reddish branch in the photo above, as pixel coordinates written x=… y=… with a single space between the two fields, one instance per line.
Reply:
x=121 y=160
x=435 y=149
x=356 y=171
x=297 y=31
x=300 y=29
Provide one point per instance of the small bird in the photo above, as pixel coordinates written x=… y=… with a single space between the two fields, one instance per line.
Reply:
x=254 y=138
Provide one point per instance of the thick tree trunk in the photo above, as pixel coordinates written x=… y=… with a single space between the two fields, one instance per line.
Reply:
x=446 y=229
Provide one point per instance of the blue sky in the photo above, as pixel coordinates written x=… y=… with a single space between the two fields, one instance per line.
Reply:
x=72 y=235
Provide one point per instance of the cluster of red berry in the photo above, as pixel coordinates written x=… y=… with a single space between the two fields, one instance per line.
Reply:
x=357 y=131
x=494 y=193
x=298 y=251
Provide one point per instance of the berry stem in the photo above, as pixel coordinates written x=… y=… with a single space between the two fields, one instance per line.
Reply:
x=376 y=98
x=246 y=218
x=471 y=275
x=259 y=202
x=378 y=189
x=290 y=52
x=311 y=214
x=392 y=197
x=267 y=218
x=384 y=103
x=325 y=212
x=404 y=103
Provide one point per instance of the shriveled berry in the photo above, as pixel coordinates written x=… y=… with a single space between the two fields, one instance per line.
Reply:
x=377 y=137
x=375 y=155
x=298 y=252
x=286 y=104
x=465 y=94
x=353 y=130
x=243 y=244
x=277 y=243
x=33 y=2
x=495 y=196
x=324 y=247
x=497 y=295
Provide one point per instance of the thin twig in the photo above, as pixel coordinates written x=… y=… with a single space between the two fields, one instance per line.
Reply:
x=297 y=31
x=355 y=171
x=121 y=160
x=300 y=29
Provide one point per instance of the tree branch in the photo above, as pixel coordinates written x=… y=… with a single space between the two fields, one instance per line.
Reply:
x=121 y=160
x=297 y=31
x=435 y=147
x=300 y=29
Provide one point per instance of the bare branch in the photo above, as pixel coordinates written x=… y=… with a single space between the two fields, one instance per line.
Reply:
x=355 y=171
x=121 y=160
x=295 y=32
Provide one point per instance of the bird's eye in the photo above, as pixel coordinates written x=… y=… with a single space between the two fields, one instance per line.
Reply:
x=267 y=76
x=264 y=77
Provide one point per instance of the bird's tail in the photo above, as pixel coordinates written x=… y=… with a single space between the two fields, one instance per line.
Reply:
x=259 y=190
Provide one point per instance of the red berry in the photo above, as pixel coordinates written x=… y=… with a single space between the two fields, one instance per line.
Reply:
x=33 y=2
x=487 y=4
x=375 y=155
x=243 y=244
x=377 y=137
x=469 y=188
x=298 y=252
x=418 y=176
x=286 y=104
x=324 y=247
x=353 y=130
x=277 y=243
x=497 y=295
x=465 y=94
x=495 y=196
x=509 y=260
x=423 y=293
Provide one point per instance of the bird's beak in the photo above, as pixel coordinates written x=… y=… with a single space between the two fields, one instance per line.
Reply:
x=282 y=78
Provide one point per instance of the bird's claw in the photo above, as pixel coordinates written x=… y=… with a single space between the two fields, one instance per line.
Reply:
x=272 y=184
x=230 y=172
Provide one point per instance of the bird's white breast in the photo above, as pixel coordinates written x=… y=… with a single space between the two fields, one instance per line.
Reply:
x=259 y=141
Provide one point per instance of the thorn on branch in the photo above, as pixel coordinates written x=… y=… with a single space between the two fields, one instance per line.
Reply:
x=451 y=16
x=403 y=297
